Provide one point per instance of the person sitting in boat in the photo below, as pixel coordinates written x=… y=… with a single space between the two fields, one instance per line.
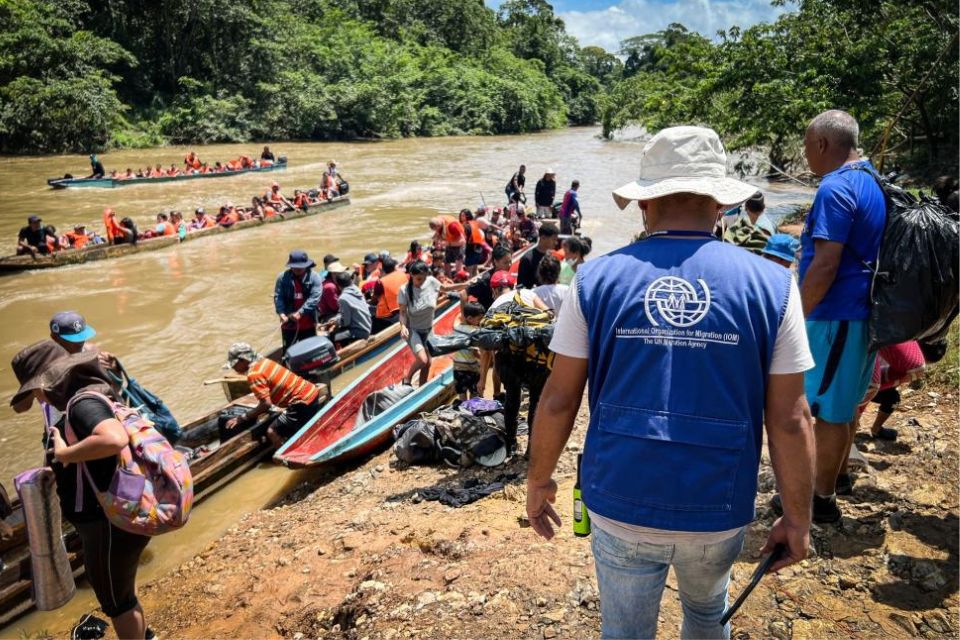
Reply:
x=296 y=298
x=274 y=386
x=246 y=162
x=256 y=209
x=201 y=220
x=157 y=171
x=79 y=237
x=353 y=322
x=300 y=200
x=97 y=170
x=218 y=167
x=164 y=226
x=266 y=154
x=140 y=173
x=192 y=161
x=176 y=219
x=228 y=216
x=329 y=186
x=114 y=175
x=127 y=175
x=204 y=168
x=33 y=238
x=116 y=232
x=174 y=171
x=276 y=199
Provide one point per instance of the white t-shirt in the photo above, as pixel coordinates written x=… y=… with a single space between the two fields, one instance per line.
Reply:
x=552 y=295
x=791 y=354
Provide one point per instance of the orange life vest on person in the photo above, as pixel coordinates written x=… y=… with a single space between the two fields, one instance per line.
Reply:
x=77 y=240
x=112 y=227
x=391 y=283
x=233 y=165
x=231 y=218
x=268 y=211
x=172 y=171
x=300 y=201
x=168 y=229
x=246 y=161
x=192 y=160
x=476 y=235
x=453 y=232
x=274 y=197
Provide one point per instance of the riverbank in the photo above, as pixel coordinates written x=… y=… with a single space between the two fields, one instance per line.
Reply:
x=356 y=554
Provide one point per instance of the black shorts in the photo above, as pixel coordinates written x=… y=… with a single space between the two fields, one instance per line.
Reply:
x=452 y=254
x=294 y=417
x=111 y=557
x=466 y=381
x=474 y=256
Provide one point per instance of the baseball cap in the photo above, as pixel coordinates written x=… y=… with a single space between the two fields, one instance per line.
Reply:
x=71 y=326
x=330 y=258
x=370 y=257
x=241 y=351
x=502 y=279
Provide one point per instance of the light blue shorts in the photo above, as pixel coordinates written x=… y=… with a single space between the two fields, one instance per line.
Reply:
x=842 y=370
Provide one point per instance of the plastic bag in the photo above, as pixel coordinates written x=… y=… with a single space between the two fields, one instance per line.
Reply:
x=416 y=442
x=916 y=287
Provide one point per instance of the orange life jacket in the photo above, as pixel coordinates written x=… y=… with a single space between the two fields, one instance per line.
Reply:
x=233 y=165
x=453 y=232
x=476 y=235
x=172 y=171
x=391 y=283
x=77 y=240
x=300 y=201
x=246 y=161
x=112 y=227
x=268 y=211
x=231 y=218
x=168 y=229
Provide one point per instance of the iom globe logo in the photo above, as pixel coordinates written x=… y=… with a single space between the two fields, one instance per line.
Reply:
x=676 y=301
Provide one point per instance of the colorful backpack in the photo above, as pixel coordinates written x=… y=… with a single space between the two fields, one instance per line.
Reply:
x=526 y=331
x=152 y=490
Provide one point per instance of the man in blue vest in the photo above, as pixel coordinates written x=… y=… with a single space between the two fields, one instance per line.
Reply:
x=840 y=238
x=690 y=346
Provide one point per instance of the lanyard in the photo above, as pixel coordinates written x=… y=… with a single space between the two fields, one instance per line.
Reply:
x=685 y=234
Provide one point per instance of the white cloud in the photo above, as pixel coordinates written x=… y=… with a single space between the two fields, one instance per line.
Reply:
x=608 y=27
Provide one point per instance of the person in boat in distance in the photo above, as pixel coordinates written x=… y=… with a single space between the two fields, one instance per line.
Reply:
x=96 y=168
x=32 y=238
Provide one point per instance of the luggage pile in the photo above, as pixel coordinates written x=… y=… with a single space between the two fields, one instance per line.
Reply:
x=457 y=435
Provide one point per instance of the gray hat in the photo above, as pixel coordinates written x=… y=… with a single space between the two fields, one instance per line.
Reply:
x=29 y=365
x=241 y=351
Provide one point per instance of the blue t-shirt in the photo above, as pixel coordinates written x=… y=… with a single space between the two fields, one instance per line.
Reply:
x=849 y=208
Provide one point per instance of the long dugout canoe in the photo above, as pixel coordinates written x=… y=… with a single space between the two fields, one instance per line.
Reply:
x=107 y=182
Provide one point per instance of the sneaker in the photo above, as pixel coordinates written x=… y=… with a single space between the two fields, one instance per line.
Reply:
x=150 y=635
x=825 y=510
x=844 y=485
x=885 y=433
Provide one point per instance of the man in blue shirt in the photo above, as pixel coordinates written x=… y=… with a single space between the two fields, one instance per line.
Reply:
x=840 y=243
x=570 y=204
x=690 y=346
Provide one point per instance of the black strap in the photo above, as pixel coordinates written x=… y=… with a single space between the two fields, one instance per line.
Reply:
x=833 y=360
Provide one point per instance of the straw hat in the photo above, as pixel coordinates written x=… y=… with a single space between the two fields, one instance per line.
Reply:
x=684 y=160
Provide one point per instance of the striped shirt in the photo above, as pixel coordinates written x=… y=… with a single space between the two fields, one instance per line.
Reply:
x=269 y=381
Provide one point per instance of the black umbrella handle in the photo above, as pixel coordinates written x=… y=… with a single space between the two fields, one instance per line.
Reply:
x=777 y=553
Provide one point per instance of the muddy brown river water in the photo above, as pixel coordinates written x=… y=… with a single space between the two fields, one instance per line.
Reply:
x=170 y=315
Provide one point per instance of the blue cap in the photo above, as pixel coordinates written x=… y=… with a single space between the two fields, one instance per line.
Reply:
x=71 y=326
x=783 y=246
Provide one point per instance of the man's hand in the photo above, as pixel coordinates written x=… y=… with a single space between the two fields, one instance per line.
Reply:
x=540 y=511
x=284 y=318
x=232 y=423
x=296 y=316
x=795 y=538
x=404 y=332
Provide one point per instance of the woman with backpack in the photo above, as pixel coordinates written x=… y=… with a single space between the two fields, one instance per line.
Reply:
x=110 y=555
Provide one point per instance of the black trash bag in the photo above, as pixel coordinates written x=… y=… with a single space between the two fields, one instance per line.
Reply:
x=379 y=401
x=491 y=339
x=416 y=442
x=90 y=627
x=916 y=286
x=451 y=343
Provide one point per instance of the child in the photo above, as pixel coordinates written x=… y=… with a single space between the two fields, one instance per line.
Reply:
x=466 y=362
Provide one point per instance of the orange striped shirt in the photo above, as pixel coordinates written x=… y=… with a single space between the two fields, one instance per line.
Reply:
x=270 y=381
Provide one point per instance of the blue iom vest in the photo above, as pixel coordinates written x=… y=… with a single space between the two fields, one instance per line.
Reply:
x=681 y=331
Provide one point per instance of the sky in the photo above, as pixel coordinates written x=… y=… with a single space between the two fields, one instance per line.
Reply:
x=605 y=23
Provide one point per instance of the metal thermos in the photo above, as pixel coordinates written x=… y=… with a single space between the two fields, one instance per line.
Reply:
x=581 y=519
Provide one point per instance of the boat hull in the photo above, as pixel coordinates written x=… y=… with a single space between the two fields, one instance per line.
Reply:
x=110 y=183
x=333 y=434
x=15 y=264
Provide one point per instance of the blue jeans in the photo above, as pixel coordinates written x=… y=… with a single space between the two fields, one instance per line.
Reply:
x=632 y=577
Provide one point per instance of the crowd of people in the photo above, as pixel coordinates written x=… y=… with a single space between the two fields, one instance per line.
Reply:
x=192 y=165
x=37 y=239
x=692 y=348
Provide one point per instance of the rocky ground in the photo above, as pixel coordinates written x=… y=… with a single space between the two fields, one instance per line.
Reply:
x=356 y=554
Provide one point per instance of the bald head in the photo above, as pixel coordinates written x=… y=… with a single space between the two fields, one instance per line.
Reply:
x=831 y=141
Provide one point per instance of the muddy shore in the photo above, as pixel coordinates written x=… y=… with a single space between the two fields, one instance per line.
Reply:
x=356 y=554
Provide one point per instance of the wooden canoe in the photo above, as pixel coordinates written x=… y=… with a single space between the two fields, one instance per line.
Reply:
x=213 y=465
x=335 y=434
x=13 y=264
x=107 y=182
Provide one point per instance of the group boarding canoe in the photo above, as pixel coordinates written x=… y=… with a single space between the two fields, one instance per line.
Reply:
x=213 y=464
x=107 y=182
x=15 y=264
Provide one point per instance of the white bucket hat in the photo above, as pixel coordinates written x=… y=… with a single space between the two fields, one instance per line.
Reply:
x=684 y=160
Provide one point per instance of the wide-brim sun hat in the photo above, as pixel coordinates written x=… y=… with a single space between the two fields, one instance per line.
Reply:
x=336 y=267
x=300 y=260
x=684 y=160
x=28 y=366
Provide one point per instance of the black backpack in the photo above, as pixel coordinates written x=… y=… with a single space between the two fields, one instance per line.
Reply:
x=916 y=282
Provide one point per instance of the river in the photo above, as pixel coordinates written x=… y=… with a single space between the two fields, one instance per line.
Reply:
x=170 y=315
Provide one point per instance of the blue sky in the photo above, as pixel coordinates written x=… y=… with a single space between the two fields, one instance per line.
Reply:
x=606 y=23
